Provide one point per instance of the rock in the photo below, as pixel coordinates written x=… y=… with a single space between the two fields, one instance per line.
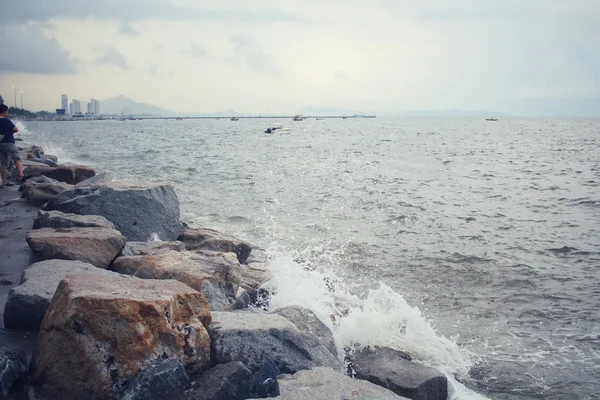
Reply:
x=216 y=275
x=248 y=336
x=99 y=333
x=209 y=239
x=72 y=174
x=242 y=299
x=39 y=193
x=57 y=219
x=150 y=248
x=42 y=159
x=100 y=179
x=327 y=384
x=307 y=321
x=390 y=369
x=136 y=211
x=13 y=366
x=27 y=303
x=166 y=380
x=265 y=379
x=37 y=179
x=231 y=381
x=252 y=277
x=51 y=157
x=97 y=246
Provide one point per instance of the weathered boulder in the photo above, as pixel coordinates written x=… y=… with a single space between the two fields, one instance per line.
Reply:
x=265 y=379
x=307 y=321
x=57 y=219
x=102 y=178
x=327 y=384
x=137 y=212
x=39 y=193
x=249 y=336
x=42 y=159
x=389 y=368
x=167 y=380
x=209 y=239
x=72 y=174
x=97 y=246
x=242 y=299
x=216 y=275
x=99 y=333
x=150 y=248
x=27 y=303
x=231 y=381
x=13 y=366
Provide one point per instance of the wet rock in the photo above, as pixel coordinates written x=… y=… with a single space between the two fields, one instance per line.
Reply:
x=27 y=303
x=43 y=160
x=216 y=275
x=13 y=366
x=209 y=239
x=389 y=368
x=150 y=248
x=307 y=321
x=265 y=379
x=39 y=193
x=71 y=174
x=327 y=384
x=57 y=219
x=97 y=246
x=101 y=332
x=37 y=179
x=136 y=211
x=166 y=380
x=248 y=336
x=101 y=179
x=231 y=381
x=242 y=299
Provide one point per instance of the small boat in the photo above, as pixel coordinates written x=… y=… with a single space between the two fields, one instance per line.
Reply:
x=298 y=117
x=272 y=130
x=235 y=119
x=491 y=119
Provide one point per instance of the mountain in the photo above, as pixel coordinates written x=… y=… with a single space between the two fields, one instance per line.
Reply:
x=121 y=104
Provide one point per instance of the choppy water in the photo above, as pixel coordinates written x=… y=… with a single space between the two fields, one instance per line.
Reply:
x=473 y=245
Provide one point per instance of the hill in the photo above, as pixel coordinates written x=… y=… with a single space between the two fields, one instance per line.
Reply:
x=121 y=104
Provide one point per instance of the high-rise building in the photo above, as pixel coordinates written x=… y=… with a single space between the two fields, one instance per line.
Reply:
x=64 y=102
x=95 y=106
x=71 y=109
x=1 y=100
x=75 y=106
x=89 y=108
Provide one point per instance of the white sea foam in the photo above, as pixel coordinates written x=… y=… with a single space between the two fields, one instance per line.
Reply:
x=382 y=317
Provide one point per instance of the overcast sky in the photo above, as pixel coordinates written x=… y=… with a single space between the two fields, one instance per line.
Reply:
x=524 y=57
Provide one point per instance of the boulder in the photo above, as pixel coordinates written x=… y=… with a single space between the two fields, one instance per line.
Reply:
x=150 y=248
x=42 y=159
x=216 y=275
x=250 y=335
x=34 y=180
x=242 y=299
x=27 y=303
x=101 y=179
x=166 y=380
x=99 y=333
x=390 y=369
x=327 y=384
x=209 y=239
x=307 y=321
x=265 y=379
x=57 y=219
x=71 y=174
x=137 y=212
x=231 y=381
x=97 y=246
x=13 y=366
x=39 y=193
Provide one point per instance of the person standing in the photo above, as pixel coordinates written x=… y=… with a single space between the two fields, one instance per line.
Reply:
x=8 y=149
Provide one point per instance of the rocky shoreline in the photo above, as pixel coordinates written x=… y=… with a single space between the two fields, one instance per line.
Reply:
x=121 y=300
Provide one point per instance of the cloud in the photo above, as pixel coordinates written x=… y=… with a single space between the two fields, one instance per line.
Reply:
x=128 y=30
x=26 y=49
x=254 y=56
x=197 y=51
x=112 y=57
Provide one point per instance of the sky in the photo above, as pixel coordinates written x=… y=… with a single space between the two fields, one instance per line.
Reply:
x=522 y=57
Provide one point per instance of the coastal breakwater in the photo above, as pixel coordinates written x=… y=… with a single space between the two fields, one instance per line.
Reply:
x=130 y=303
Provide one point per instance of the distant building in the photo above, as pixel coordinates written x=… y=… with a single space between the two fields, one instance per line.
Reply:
x=64 y=102
x=89 y=108
x=1 y=100
x=61 y=111
x=71 y=109
x=75 y=107
x=95 y=106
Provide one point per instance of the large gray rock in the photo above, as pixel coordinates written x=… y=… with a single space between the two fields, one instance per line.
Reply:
x=39 y=193
x=57 y=219
x=166 y=380
x=307 y=321
x=137 y=212
x=209 y=239
x=248 y=336
x=72 y=174
x=390 y=369
x=13 y=366
x=97 y=246
x=27 y=303
x=327 y=384
x=150 y=248
x=231 y=381
x=100 y=179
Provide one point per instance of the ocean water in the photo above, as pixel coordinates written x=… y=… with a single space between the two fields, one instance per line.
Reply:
x=472 y=245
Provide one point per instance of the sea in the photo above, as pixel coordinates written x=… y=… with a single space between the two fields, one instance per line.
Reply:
x=472 y=245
